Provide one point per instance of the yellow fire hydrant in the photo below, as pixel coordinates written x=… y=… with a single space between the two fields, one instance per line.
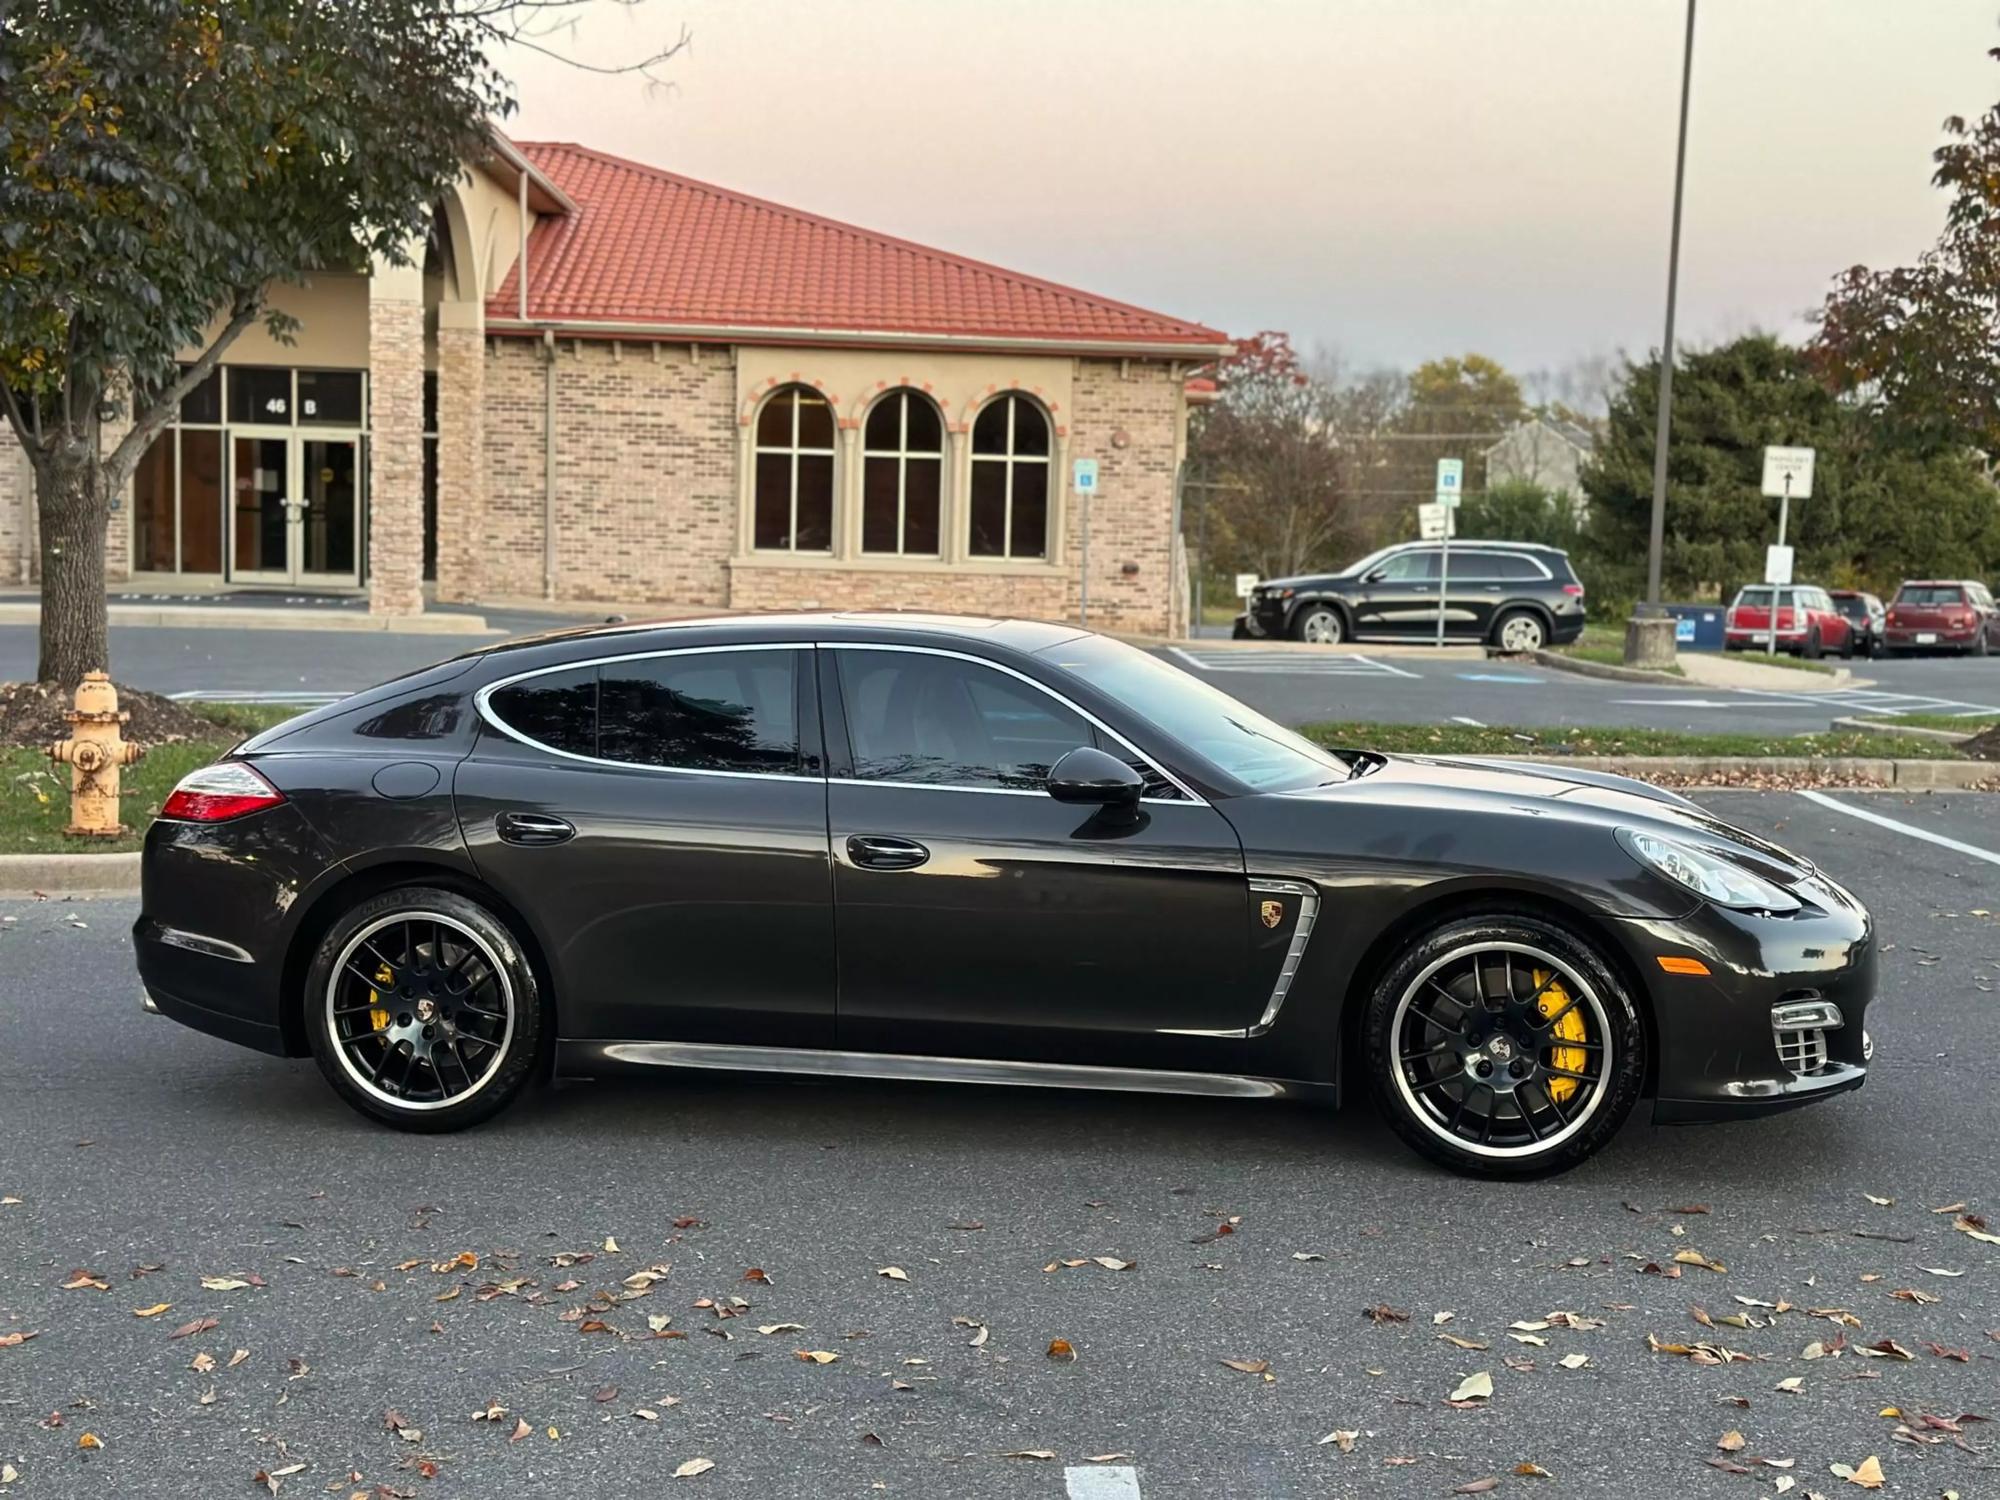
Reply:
x=94 y=751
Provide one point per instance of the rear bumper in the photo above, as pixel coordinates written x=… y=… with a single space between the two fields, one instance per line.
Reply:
x=257 y=1035
x=1940 y=639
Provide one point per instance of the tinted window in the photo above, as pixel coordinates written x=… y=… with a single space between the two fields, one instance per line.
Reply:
x=431 y=718
x=1930 y=593
x=946 y=722
x=706 y=711
x=557 y=709
x=1513 y=565
x=1853 y=606
x=1406 y=567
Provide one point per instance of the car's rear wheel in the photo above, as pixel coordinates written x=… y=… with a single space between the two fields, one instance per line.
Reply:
x=1321 y=625
x=1503 y=1045
x=1520 y=630
x=1811 y=650
x=421 y=1009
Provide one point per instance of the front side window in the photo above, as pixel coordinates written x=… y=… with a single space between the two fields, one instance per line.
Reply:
x=941 y=721
x=902 y=476
x=793 y=475
x=703 y=711
x=1010 y=480
x=1409 y=567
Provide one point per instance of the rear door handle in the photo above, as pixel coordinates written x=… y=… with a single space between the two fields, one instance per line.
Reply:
x=533 y=828
x=874 y=851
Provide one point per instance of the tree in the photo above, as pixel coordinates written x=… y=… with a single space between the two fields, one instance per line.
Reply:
x=1925 y=338
x=1272 y=476
x=162 y=162
x=1518 y=511
x=1889 y=498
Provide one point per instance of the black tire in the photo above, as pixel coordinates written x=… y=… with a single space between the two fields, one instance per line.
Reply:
x=1980 y=646
x=1811 y=650
x=1847 y=647
x=1517 y=623
x=472 y=959
x=1403 y=1097
x=1320 y=622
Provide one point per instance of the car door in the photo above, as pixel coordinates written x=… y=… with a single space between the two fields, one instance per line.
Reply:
x=978 y=917
x=1476 y=584
x=661 y=821
x=1398 y=597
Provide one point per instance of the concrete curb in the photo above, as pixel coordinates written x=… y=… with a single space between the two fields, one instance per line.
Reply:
x=1913 y=731
x=201 y=617
x=1938 y=775
x=1555 y=661
x=69 y=874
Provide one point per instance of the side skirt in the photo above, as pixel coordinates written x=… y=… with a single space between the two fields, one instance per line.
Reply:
x=584 y=1059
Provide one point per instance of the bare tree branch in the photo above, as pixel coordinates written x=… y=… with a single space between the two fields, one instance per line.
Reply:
x=245 y=307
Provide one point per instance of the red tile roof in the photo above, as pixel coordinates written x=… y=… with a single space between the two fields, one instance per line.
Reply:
x=649 y=247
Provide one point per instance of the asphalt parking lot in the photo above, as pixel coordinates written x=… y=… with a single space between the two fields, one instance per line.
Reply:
x=341 y=1263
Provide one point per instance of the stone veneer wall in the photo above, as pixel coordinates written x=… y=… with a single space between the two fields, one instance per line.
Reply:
x=461 y=477
x=395 y=447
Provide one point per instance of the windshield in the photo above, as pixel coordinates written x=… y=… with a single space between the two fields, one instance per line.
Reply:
x=1931 y=593
x=1256 y=751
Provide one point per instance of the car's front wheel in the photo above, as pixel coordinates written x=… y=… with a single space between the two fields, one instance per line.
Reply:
x=421 y=1009
x=1503 y=1045
x=1321 y=625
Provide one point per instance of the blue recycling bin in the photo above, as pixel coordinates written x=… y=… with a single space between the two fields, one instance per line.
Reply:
x=1697 y=627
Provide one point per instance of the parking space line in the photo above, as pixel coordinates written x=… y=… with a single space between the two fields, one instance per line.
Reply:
x=1462 y=719
x=1905 y=828
x=1276 y=663
x=1102 y=1482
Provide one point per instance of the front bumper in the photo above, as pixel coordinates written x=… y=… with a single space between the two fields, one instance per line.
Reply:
x=1717 y=1051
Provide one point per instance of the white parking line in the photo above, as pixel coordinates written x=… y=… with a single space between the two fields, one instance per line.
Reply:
x=1461 y=719
x=1307 y=663
x=1102 y=1482
x=1890 y=823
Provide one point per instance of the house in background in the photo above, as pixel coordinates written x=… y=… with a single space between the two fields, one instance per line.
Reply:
x=601 y=380
x=1545 y=450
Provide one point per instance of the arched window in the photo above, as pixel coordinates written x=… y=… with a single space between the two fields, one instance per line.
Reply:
x=794 y=473
x=902 y=476
x=1010 y=480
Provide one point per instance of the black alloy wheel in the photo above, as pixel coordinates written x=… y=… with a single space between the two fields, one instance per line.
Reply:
x=422 y=1011
x=1503 y=1046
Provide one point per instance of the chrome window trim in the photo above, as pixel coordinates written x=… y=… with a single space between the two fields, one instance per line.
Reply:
x=487 y=714
x=1188 y=794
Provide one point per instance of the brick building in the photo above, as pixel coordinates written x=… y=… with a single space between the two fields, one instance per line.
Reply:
x=602 y=381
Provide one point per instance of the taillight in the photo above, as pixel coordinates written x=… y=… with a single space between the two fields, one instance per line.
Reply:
x=218 y=793
x=1574 y=590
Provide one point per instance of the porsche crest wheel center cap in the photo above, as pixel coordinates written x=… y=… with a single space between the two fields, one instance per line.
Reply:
x=1501 y=1048
x=427 y=1011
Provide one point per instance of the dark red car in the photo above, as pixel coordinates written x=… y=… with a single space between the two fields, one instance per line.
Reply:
x=1809 y=625
x=1954 y=614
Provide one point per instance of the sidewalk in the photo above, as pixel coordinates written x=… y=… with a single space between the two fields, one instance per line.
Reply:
x=214 y=609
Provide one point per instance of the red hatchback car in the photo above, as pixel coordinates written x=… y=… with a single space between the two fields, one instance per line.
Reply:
x=1809 y=624
x=1954 y=614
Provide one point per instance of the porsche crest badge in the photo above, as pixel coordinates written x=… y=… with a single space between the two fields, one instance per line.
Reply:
x=1273 y=912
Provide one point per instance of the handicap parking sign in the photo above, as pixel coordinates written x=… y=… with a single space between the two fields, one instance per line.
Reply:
x=1684 y=630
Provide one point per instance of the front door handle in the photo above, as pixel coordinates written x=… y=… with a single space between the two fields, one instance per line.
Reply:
x=874 y=851
x=533 y=829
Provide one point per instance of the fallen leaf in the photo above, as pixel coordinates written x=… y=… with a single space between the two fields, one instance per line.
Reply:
x=646 y=1414
x=757 y=1274
x=199 y=1325
x=1730 y=1442
x=1693 y=1257
x=1967 y=1224
x=1532 y=1471
x=1457 y=1342
x=223 y=1283
x=894 y=1273
x=604 y=1394
x=1940 y=1271
x=1249 y=1366
x=693 y=1467
x=1880 y=1202
x=1037 y=1453
x=202 y=1363
x=1062 y=1349
x=1574 y=1361
x=151 y=1312
x=521 y=1430
x=90 y=1440
x=1106 y=1458
x=610 y=1244
x=1792 y=1385
x=1867 y=1474
x=1307 y=1255
x=1344 y=1438
x=978 y=1339
x=78 y=1280
x=1113 y=1263
x=1478 y=1387
x=1381 y=1312
x=817 y=1356
x=1477 y=1486
x=764 y=1328
x=15 y=1340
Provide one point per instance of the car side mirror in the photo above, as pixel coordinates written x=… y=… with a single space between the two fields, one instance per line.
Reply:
x=1374 y=575
x=1090 y=776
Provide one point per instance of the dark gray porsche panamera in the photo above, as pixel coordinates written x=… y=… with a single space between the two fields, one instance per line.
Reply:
x=901 y=846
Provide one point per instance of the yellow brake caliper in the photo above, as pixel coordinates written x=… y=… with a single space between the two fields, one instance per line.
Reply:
x=378 y=1015
x=1569 y=1029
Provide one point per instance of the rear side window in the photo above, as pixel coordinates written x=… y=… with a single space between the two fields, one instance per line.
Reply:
x=556 y=709
x=1514 y=567
x=704 y=711
x=1931 y=593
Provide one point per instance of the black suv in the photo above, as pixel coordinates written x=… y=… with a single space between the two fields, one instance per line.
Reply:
x=1518 y=596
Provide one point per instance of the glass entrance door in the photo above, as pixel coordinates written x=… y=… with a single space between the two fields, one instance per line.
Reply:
x=296 y=509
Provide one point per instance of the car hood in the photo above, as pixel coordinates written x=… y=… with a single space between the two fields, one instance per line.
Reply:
x=1582 y=795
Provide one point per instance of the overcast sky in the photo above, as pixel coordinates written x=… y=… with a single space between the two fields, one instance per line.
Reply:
x=1393 y=179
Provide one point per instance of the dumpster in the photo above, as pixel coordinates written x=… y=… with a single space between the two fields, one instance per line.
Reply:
x=1697 y=627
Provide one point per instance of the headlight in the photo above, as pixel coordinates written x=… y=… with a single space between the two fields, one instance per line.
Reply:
x=1707 y=875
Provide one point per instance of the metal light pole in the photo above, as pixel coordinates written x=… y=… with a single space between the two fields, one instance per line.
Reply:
x=1665 y=418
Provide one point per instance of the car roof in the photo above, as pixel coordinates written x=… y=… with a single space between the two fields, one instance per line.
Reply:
x=1934 y=583
x=859 y=625
x=1473 y=541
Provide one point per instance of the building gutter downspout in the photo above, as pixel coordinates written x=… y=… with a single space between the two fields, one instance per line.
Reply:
x=548 y=463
